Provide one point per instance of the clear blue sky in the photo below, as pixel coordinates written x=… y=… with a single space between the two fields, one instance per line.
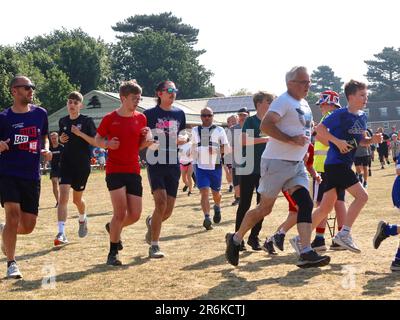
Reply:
x=250 y=44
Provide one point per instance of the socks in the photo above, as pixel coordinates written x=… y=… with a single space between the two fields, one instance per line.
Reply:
x=82 y=217
x=306 y=249
x=282 y=231
x=207 y=216
x=320 y=233
x=345 y=230
x=236 y=240
x=114 y=247
x=61 y=227
x=154 y=243
x=391 y=230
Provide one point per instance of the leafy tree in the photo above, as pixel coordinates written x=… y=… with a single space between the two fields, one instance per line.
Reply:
x=164 y=22
x=82 y=58
x=155 y=56
x=324 y=78
x=384 y=75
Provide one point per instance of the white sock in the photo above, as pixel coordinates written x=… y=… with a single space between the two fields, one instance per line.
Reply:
x=82 y=217
x=282 y=231
x=154 y=243
x=61 y=227
x=346 y=230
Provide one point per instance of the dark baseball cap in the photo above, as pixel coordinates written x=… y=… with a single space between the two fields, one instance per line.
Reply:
x=243 y=110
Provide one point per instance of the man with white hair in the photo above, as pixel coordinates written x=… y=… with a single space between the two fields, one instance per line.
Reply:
x=288 y=124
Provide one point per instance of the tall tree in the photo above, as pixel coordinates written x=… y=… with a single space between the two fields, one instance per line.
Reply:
x=155 y=56
x=384 y=75
x=324 y=78
x=166 y=22
x=82 y=58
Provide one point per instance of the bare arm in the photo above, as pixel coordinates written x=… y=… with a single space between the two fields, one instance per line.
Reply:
x=91 y=140
x=249 y=141
x=268 y=126
x=323 y=141
x=324 y=134
x=46 y=152
x=376 y=138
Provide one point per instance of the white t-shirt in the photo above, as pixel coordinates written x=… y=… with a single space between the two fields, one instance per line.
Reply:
x=203 y=158
x=296 y=119
x=184 y=153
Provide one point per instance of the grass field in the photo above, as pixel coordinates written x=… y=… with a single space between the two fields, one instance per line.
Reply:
x=195 y=266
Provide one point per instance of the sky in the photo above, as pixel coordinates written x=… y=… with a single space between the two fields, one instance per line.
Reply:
x=250 y=44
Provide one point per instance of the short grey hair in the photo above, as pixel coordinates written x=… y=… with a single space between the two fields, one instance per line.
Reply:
x=293 y=73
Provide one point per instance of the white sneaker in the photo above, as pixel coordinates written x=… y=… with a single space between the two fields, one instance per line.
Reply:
x=60 y=240
x=3 y=249
x=13 y=271
x=296 y=245
x=345 y=240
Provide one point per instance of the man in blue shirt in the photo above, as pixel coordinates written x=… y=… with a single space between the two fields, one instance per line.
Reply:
x=23 y=127
x=345 y=129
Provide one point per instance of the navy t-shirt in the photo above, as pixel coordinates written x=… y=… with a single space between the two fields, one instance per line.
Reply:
x=345 y=126
x=165 y=126
x=25 y=131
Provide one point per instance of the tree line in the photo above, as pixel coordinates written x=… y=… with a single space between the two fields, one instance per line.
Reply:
x=150 y=48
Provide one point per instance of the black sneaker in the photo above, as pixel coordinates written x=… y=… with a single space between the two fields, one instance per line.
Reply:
x=185 y=188
x=312 y=259
x=279 y=239
x=232 y=250
x=318 y=244
x=380 y=234
x=242 y=246
x=120 y=246
x=268 y=247
x=217 y=214
x=112 y=260
x=207 y=224
x=395 y=266
x=369 y=172
x=254 y=243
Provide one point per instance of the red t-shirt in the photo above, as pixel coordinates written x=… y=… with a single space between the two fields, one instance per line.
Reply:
x=127 y=129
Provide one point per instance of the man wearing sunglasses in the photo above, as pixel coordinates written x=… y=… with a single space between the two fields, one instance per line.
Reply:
x=77 y=134
x=165 y=122
x=209 y=142
x=23 y=128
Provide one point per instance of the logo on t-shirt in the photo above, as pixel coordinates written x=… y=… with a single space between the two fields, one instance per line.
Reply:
x=305 y=119
x=357 y=128
x=168 y=126
x=20 y=139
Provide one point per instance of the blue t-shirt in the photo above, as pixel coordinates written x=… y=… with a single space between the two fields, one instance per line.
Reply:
x=345 y=126
x=165 y=126
x=25 y=131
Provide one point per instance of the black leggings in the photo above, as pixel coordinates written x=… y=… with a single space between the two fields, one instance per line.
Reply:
x=247 y=185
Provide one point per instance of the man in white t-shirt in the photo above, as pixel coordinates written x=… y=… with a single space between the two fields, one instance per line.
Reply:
x=288 y=124
x=209 y=142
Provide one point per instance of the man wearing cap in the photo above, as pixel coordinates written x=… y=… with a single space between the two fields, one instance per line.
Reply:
x=328 y=102
x=243 y=114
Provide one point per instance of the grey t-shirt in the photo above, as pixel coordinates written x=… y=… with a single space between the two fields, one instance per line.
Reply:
x=362 y=152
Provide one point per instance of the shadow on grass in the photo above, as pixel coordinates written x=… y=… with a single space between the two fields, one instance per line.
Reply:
x=381 y=286
x=36 y=254
x=235 y=286
x=92 y=215
x=68 y=277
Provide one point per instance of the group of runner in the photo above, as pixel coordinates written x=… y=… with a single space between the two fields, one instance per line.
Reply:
x=268 y=151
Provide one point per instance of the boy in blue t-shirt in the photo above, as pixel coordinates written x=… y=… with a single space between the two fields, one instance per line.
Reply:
x=345 y=129
x=385 y=229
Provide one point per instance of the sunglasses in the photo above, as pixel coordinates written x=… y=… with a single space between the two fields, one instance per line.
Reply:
x=207 y=115
x=171 y=90
x=27 y=87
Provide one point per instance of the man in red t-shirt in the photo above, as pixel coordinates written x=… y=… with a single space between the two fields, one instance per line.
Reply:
x=123 y=132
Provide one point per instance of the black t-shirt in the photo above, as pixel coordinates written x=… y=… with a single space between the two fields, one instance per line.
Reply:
x=57 y=152
x=76 y=150
x=383 y=147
